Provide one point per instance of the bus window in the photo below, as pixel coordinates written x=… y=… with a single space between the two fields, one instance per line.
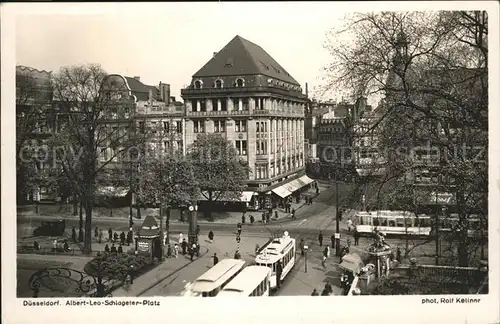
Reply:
x=425 y=222
x=409 y=222
x=392 y=223
x=416 y=222
x=375 y=222
x=384 y=222
x=400 y=222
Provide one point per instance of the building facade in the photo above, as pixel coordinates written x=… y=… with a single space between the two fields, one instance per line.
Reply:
x=244 y=94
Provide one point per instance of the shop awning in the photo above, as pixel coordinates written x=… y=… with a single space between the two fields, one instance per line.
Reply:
x=246 y=196
x=352 y=262
x=111 y=191
x=282 y=191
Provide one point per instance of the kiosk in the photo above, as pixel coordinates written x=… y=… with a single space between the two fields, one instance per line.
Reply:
x=148 y=241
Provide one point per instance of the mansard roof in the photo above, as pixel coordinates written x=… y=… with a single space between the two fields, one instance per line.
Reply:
x=242 y=57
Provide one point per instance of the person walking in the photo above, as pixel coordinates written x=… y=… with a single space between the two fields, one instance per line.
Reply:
x=252 y=219
x=320 y=238
x=96 y=232
x=328 y=251
x=325 y=293
x=276 y=214
x=315 y=292
x=293 y=213
x=181 y=238
x=356 y=237
x=325 y=252
x=73 y=234
x=317 y=190
x=197 y=249
x=332 y=238
x=110 y=234
x=239 y=228
x=122 y=238
x=192 y=251
x=100 y=237
x=120 y=249
x=302 y=247
x=349 y=225
x=328 y=288
x=211 y=236
x=113 y=248
x=243 y=219
x=216 y=259
x=323 y=262
x=176 y=250
x=129 y=238
x=263 y=218
x=115 y=237
x=268 y=217
x=184 y=246
x=106 y=248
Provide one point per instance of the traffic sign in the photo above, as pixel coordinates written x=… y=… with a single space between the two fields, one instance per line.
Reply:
x=337 y=235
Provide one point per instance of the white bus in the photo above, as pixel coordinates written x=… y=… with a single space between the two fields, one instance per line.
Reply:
x=215 y=279
x=278 y=249
x=253 y=281
x=393 y=222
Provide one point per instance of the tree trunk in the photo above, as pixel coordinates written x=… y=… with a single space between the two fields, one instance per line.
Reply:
x=80 y=224
x=463 y=257
x=167 y=226
x=209 y=207
x=75 y=208
x=139 y=212
x=88 y=226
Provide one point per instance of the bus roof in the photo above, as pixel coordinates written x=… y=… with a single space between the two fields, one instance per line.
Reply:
x=386 y=213
x=246 y=281
x=217 y=274
x=274 y=249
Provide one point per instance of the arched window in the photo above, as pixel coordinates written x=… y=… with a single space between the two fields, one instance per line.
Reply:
x=240 y=82
x=198 y=84
x=219 y=83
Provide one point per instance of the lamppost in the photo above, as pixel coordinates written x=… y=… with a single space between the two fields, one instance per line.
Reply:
x=305 y=258
x=337 y=213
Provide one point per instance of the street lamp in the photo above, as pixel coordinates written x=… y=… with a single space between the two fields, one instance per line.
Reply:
x=193 y=221
x=305 y=258
x=337 y=212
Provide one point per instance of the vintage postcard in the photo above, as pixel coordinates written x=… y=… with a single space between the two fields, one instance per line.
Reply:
x=338 y=160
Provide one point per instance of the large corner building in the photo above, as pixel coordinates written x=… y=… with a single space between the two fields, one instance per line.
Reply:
x=248 y=97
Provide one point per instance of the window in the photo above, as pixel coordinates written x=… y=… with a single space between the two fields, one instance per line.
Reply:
x=240 y=82
x=257 y=127
x=198 y=84
x=166 y=126
x=219 y=126
x=199 y=126
x=219 y=83
x=178 y=125
x=262 y=127
x=153 y=127
x=241 y=125
x=166 y=145
x=241 y=147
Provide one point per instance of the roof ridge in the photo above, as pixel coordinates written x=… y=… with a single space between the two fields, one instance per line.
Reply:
x=247 y=50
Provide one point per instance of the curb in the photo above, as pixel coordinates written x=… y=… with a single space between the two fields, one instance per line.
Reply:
x=171 y=274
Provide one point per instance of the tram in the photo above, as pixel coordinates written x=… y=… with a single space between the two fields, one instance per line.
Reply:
x=253 y=281
x=278 y=254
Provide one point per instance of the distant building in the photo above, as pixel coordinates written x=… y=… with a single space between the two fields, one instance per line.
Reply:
x=245 y=95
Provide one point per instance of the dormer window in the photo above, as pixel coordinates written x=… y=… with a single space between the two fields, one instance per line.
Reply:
x=219 y=84
x=240 y=82
x=198 y=84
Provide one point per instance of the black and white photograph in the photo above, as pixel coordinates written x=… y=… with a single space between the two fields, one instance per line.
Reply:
x=272 y=149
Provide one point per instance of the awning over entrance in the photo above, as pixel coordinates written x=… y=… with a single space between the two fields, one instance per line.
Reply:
x=282 y=191
x=246 y=196
x=287 y=189
x=111 y=191
x=352 y=262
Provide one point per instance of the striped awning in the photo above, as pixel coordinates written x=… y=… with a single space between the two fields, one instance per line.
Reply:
x=282 y=191
x=246 y=196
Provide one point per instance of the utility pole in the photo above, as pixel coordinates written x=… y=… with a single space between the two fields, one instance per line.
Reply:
x=337 y=226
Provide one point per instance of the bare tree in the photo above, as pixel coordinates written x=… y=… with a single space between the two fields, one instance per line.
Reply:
x=431 y=70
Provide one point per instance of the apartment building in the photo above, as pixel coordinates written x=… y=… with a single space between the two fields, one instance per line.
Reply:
x=244 y=94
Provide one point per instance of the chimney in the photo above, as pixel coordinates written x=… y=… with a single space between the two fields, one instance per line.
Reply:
x=307 y=91
x=138 y=78
x=215 y=53
x=165 y=92
x=150 y=96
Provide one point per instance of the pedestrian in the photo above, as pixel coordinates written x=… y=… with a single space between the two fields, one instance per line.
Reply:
x=268 y=218
x=197 y=230
x=169 y=250
x=398 y=254
x=317 y=190
x=276 y=214
x=36 y=246
x=320 y=238
x=113 y=248
x=263 y=218
x=325 y=252
x=197 y=249
x=257 y=247
x=332 y=238
x=252 y=219
x=184 y=246
x=129 y=237
x=349 y=225
x=122 y=238
x=323 y=262
x=293 y=213
x=315 y=292
x=181 y=238
x=120 y=249
x=328 y=288
x=73 y=234
x=302 y=245
x=328 y=251
x=239 y=228
x=176 y=250
x=54 y=245
x=66 y=246
x=211 y=236
x=192 y=251
x=96 y=232
x=237 y=254
x=356 y=237
x=110 y=234
x=243 y=219
x=115 y=237
x=106 y=249
x=216 y=259
x=325 y=293
x=100 y=237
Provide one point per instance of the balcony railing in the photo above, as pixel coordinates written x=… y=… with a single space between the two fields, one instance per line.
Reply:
x=248 y=113
x=238 y=90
